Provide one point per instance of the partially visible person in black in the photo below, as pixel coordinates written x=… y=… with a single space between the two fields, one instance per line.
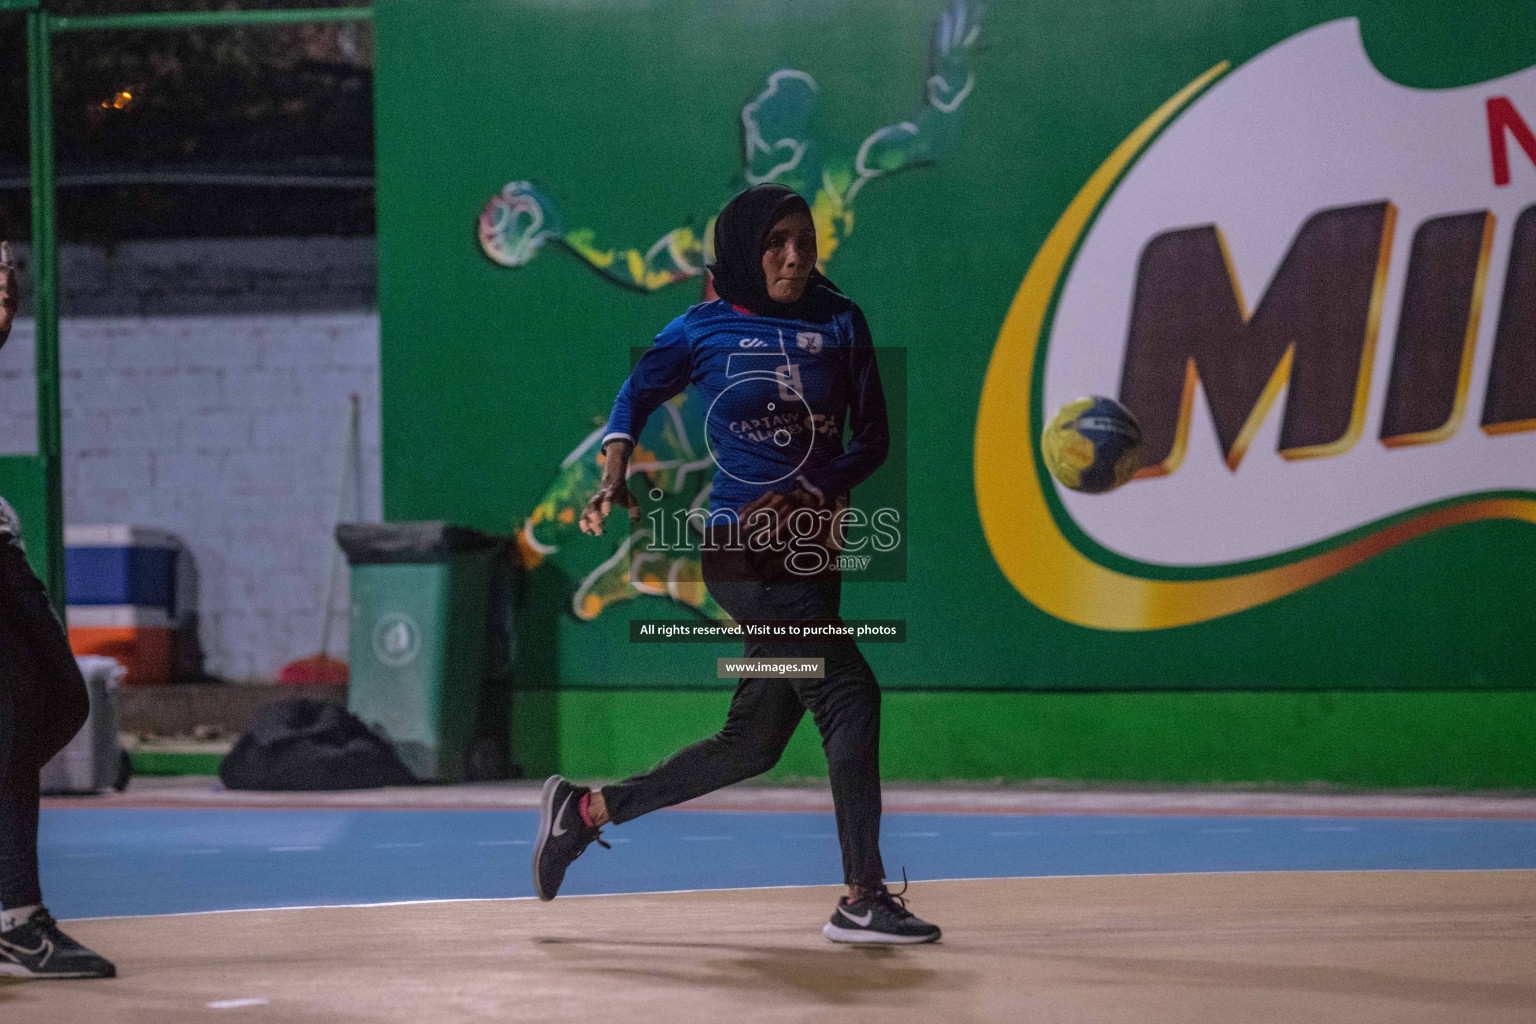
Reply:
x=765 y=273
x=43 y=703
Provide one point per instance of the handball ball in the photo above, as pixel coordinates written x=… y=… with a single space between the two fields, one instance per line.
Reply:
x=1092 y=445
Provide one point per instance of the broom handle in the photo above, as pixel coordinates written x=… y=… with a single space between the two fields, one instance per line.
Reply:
x=354 y=428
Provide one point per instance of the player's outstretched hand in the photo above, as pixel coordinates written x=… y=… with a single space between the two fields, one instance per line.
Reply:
x=602 y=502
x=613 y=491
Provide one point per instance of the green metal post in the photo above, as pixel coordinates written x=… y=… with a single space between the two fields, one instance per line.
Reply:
x=45 y=298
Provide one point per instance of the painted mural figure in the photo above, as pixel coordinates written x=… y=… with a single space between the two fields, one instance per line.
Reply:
x=778 y=146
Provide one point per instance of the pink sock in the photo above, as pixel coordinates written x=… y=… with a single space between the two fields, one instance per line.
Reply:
x=582 y=807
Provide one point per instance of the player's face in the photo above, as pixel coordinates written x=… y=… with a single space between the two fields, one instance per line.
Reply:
x=789 y=256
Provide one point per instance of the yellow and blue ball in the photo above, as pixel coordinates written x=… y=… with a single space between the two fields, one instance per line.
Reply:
x=1092 y=445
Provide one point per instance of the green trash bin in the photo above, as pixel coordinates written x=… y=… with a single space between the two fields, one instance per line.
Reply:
x=418 y=649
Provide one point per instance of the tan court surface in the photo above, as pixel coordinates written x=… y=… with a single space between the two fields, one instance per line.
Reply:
x=1291 y=948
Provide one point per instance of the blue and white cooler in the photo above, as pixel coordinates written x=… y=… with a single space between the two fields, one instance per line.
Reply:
x=122 y=600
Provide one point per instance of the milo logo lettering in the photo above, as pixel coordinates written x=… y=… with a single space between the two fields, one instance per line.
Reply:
x=1314 y=333
x=1316 y=289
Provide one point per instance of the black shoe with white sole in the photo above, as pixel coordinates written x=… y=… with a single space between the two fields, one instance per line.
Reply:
x=37 y=949
x=883 y=917
x=563 y=836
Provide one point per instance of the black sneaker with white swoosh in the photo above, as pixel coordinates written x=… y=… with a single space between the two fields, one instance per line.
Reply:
x=563 y=836
x=882 y=918
x=37 y=949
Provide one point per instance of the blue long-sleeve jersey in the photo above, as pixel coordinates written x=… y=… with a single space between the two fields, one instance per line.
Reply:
x=777 y=396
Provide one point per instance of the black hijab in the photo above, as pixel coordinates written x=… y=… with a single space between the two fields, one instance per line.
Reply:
x=740 y=231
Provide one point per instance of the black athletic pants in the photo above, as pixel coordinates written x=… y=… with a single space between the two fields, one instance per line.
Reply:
x=43 y=703
x=765 y=711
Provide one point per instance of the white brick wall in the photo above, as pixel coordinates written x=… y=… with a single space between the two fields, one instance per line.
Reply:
x=229 y=432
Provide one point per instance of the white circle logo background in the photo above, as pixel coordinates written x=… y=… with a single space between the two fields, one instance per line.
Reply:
x=783 y=388
x=396 y=639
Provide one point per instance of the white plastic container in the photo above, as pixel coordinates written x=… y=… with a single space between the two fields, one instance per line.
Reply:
x=94 y=760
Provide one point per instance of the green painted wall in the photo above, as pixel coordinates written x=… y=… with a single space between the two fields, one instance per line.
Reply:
x=630 y=115
x=1401 y=739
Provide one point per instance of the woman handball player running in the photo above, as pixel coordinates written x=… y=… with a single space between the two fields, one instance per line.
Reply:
x=782 y=362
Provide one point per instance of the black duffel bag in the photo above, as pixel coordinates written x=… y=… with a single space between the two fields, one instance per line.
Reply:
x=307 y=744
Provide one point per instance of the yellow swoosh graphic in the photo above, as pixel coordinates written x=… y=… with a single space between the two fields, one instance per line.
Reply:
x=1032 y=552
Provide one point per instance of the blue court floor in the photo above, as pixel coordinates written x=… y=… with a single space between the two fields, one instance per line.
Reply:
x=123 y=862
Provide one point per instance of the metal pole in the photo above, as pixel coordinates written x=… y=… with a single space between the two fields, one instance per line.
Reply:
x=45 y=298
x=208 y=19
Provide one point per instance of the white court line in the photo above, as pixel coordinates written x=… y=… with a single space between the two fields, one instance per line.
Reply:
x=292 y=849
x=812 y=835
x=1120 y=832
x=913 y=835
x=1330 y=828
x=502 y=842
x=398 y=846
x=235 y=1004
x=1225 y=831
x=193 y=853
x=829 y=885
x=705 y=839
